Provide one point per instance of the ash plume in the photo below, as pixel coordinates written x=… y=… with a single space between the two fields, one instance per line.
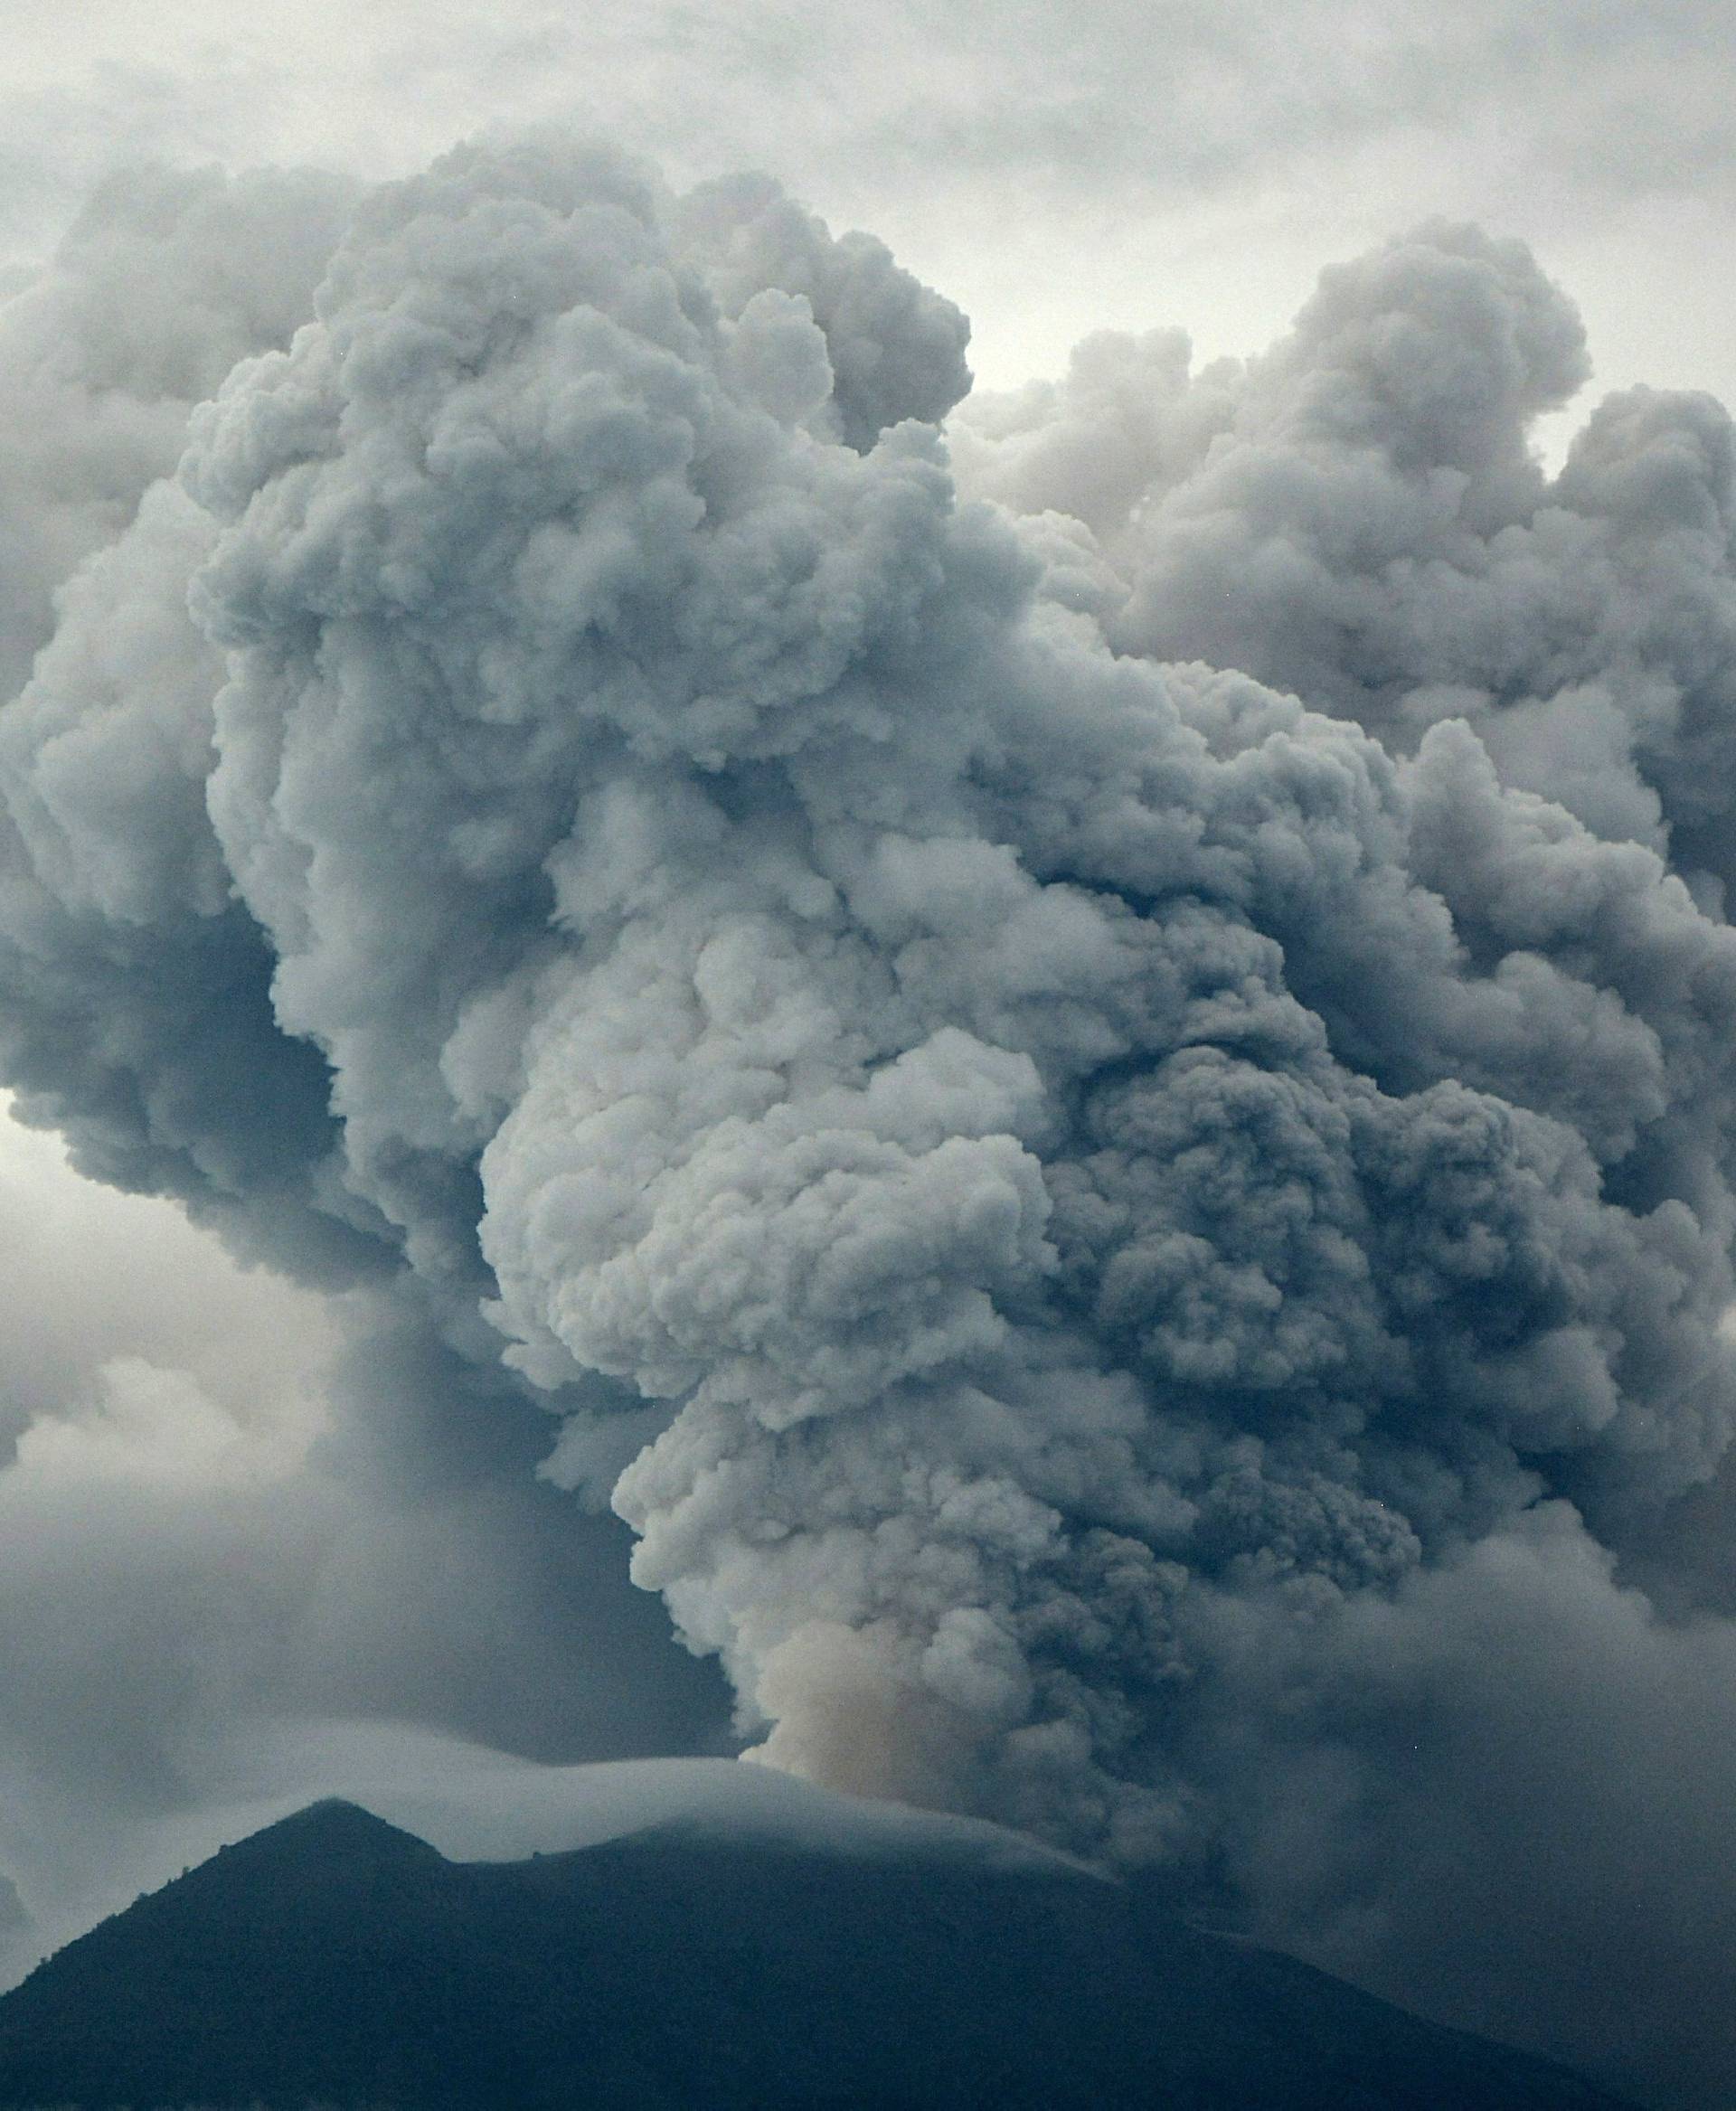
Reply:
x=1086 y=1057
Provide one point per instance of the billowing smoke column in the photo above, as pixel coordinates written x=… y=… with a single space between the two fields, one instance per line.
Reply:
x=1035 y=1172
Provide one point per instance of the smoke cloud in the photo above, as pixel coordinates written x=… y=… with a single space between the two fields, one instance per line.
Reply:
x=1084 y=1056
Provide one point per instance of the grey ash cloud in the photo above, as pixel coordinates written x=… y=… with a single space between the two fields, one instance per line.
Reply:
x=1084 y=1057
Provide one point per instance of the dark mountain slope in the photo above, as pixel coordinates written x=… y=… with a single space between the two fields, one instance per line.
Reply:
x=335 y=1959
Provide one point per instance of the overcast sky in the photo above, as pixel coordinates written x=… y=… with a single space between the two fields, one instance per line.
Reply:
x=1192 y=161
x=234 y=1501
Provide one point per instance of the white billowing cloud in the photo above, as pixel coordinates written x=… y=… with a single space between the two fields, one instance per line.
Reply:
x=148 y=1427
x=1087 y=1071
x=163 y=283
x=1355 y=518
x=101 y=1285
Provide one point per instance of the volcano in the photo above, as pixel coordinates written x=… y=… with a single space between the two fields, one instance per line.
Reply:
x=333 y=1959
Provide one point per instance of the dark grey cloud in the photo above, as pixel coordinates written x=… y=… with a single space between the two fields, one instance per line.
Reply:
x=1503 y=1795
x=1087 y=1079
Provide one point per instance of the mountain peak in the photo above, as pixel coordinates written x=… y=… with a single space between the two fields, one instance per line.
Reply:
x=334 y=1821
x=324 y=1837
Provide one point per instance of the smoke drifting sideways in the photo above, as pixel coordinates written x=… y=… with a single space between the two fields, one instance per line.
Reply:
x=1084 y=1057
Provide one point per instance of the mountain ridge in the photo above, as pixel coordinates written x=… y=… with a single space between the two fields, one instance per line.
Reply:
x=335 y=1958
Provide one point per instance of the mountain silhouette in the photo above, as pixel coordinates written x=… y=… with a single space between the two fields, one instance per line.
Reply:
x=334 y=1960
